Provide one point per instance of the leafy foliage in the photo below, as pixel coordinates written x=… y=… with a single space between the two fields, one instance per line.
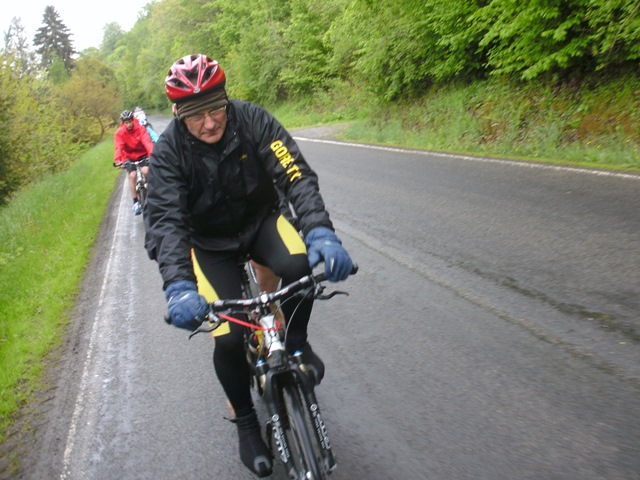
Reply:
x=18 y=116
x=256 y=54
x=307 y=69
x=111 y=35
x=91 y=98
x=553 y=37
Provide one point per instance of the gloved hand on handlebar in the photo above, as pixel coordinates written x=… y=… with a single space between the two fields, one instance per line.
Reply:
x=323 y=244
x=187 y=308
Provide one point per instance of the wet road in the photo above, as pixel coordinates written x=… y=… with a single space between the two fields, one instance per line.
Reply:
x=491 y=333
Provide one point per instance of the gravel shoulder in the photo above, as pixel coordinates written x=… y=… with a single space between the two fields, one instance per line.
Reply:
x=327 y=132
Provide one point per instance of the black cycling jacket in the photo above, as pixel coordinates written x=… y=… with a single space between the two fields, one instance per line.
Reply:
x=216 y=196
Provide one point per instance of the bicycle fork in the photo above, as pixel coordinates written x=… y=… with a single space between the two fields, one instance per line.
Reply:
x=275 y=424
x=311 y=403
x=277 y=363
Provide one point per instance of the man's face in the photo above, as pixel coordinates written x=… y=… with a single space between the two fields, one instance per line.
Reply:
x=207 y=125
x=128 y=124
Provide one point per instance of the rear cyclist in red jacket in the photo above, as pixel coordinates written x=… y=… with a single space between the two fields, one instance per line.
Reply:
x=132 y=142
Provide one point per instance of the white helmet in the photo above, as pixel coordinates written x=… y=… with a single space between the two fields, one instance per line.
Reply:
x=140 y=115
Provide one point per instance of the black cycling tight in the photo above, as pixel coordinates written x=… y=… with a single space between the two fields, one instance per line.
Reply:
x=279 y=247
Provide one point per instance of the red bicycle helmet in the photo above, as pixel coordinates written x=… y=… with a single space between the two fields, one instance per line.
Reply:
x=192 y=75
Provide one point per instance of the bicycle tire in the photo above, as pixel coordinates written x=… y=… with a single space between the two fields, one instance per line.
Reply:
x=299 y=439
x=142 y=193
x=251 y=286
x=141 y=187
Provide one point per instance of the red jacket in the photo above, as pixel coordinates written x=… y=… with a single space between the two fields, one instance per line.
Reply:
x=132 y=144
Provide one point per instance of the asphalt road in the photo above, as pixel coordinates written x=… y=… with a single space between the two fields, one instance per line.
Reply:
x=492 y=332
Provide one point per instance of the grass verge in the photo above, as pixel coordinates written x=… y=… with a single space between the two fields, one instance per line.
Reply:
x=592 y=124
x=46 y=234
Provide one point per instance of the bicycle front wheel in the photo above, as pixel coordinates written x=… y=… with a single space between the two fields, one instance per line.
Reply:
x=299 y=438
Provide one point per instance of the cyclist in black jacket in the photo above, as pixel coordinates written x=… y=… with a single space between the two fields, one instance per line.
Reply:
x=213 y=186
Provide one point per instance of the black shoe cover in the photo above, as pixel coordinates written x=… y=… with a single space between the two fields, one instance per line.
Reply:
x=253 y=451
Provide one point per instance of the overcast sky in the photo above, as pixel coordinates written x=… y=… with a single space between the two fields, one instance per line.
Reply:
x=85 y=19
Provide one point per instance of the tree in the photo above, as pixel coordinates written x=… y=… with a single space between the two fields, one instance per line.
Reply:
x=253 y=56
x=112 y=33
x=33 y=131
x=91 y=99
x=58 y=72
x=9 y=180
x=53 y=39
x=16 y=47
x=537 y=38
x=306 y=69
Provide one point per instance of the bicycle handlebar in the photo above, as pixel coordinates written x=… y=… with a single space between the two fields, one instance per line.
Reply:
x=264 y=298
x=133 y=162
x=268 y=298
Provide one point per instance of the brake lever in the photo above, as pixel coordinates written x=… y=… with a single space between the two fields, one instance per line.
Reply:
x=213 y=321
x=321 y=296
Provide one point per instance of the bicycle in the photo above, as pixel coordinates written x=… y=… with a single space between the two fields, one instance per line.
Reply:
x=295 y=429
x=141 y=180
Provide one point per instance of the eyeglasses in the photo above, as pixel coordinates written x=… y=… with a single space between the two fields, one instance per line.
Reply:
x=199 y=117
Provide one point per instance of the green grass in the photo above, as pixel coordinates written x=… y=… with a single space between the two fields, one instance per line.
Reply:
x=46 y=235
